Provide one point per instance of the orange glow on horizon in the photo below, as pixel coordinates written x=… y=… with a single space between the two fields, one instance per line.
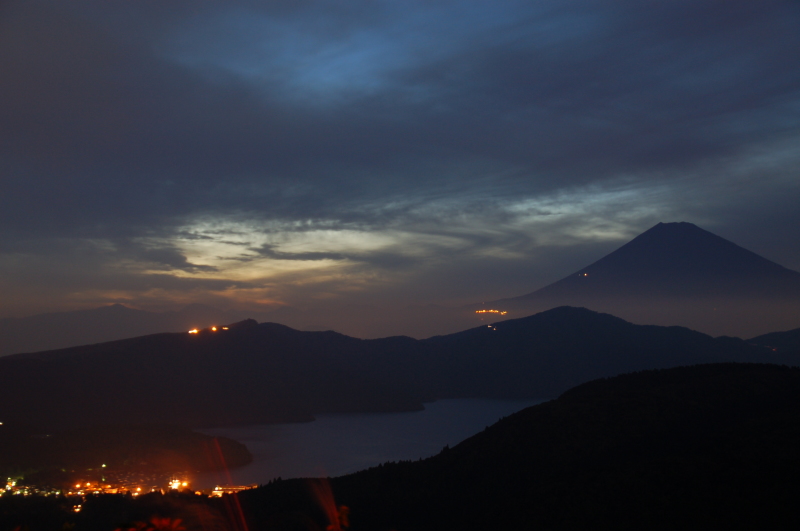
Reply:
x=501 y=312
x=193 y=331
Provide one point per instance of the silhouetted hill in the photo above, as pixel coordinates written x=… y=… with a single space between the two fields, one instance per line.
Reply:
x=255 y=373
x=678 y=273
x=710 y=446
x=786 y=342
x=249 y=373
x=554 y=350
x=108 y=323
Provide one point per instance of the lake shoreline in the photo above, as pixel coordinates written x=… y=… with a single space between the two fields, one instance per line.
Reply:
x=342 y=443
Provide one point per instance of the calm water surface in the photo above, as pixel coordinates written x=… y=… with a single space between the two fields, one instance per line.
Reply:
x=334 y=445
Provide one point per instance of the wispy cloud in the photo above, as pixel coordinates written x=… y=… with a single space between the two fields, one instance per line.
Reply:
x=393 y=149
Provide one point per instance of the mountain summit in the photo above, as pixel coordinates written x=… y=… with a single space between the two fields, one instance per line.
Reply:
x=678 y=259
x=679 y=274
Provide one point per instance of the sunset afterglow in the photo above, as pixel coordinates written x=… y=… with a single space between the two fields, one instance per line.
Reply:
x=325 y=167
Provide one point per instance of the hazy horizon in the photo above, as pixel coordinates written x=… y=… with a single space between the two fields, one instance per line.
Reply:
x=674 y=274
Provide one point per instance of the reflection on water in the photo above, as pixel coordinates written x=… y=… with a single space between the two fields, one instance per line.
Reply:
x=334 y=445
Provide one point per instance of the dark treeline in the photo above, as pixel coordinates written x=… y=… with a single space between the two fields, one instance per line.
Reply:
x=710 y=446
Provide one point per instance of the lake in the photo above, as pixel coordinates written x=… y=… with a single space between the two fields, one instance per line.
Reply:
x=334 y=445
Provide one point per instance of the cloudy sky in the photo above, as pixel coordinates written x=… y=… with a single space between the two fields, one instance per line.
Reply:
x=259 y=154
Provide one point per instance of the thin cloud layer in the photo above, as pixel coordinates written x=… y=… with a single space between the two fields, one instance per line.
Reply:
x=380 y=152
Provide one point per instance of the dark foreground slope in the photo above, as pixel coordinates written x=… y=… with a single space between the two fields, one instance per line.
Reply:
x=703 y=447
x=255 y=373
x=713 y=446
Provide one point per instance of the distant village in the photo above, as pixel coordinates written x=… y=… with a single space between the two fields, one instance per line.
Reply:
x=126 y=483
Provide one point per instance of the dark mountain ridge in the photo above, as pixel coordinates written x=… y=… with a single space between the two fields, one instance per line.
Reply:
x=678 y=273
x=786 y=342
x=560 y=348
x=58 y=330
x=249 y=373
x=255 y=373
